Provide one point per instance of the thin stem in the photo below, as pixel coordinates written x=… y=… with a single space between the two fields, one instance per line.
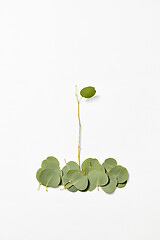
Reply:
x=79 y=138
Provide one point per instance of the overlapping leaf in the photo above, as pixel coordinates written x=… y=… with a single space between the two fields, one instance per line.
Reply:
x=108 y=176
x=120 y=173
x=79 y=180
x=50 y=173
x=97 y=178
x=91 y=164
x=70 y=166
x=109 y=163
x=49 y=178
x=121 y=185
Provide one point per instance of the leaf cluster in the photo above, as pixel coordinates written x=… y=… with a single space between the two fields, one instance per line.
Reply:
x=92 y=175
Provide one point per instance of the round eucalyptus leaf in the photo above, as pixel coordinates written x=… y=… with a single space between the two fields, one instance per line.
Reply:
x=49 y=178
x=66 y=182
x=79 y=181
x=50 y=162
x=111 y=186
x=121 y=185
x=70 y=166
x=64 y=179
x=88 y=92
x=71 y=172
x=120 y=173
x=109 y=163
x=97 y=178
x=38 y=174
x=72 y=189
x=90 y=164
x=91 y=187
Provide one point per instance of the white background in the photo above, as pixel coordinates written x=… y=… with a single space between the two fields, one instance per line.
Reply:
x=46 y=47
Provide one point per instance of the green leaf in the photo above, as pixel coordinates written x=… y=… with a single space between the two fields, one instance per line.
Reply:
x=38 y=174
x=97 y=178
x=71 y=172
x=50 y=162
x=90 y=164
x=121 y=185
x=111 y=186
x=88 y=92
x=66 y=182
x=91 y=187
x=64 y=179
x=49 y=178
x=120 y=173
x=72 y=189
x=79 y=181
x=70 y=166
x=109 y=163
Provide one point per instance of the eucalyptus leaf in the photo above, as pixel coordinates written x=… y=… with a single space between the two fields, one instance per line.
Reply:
x=67 y=184
x=38 y=174
x=111 y=186
x=120 y=173
x=50 y=162
x=72 y=189
x=88 y=92
x=109 y=163
x=71 y=172
x=70 y=166
x=97 y=178
x=121 y=185
x=79 y=181
x=91 y=187
x=90 y=164
x=49 y=178
x=64 y=179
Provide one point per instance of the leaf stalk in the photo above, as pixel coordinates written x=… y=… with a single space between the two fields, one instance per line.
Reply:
x=79 y=137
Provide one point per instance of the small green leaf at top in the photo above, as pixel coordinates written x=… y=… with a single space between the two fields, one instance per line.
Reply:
x=88 y=92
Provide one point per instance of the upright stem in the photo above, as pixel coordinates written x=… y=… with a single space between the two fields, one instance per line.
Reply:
x=79 y=138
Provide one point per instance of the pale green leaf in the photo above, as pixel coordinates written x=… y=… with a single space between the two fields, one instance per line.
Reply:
x=49 y=178
x=120 y=173
x=97 y=178
x=72 y=189
x=70 y=166
x=79 y=181
x=71 y=172
x=38 y=174
x=111 y=186
x=121 y=185
x=50 y=162
x=109 y=163
x=90 y=164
